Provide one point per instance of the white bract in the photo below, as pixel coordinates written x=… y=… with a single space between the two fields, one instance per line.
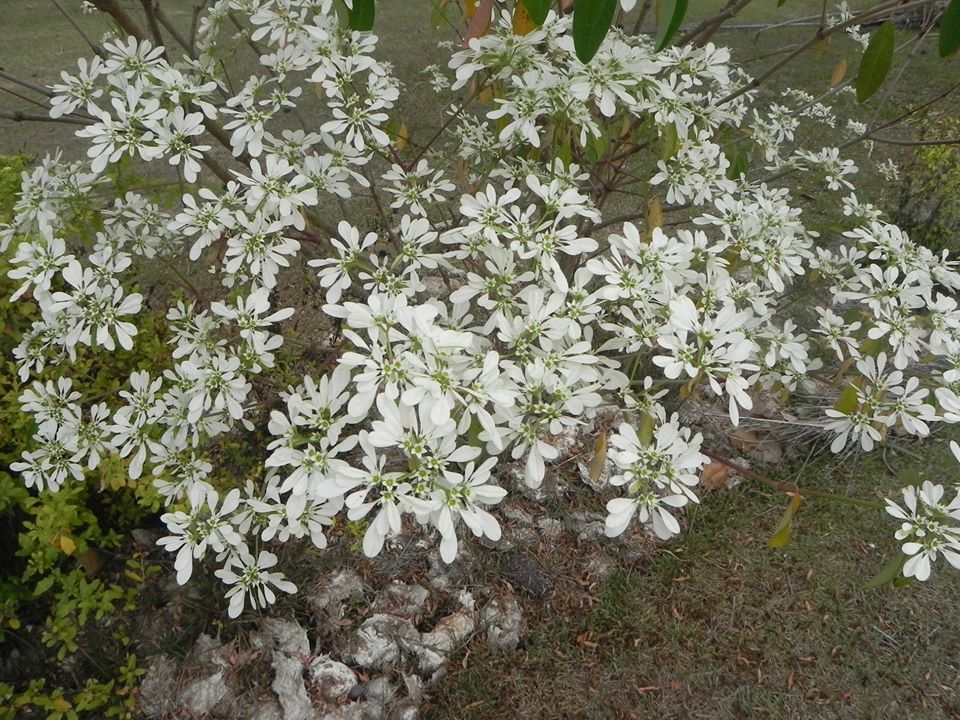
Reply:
x=463 y=336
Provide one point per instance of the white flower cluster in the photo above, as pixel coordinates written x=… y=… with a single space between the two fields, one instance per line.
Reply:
x=457 y=348
x=931 y=527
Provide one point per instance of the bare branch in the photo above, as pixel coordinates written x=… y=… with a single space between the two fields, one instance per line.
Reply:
x=17 y=116
x=97 y=50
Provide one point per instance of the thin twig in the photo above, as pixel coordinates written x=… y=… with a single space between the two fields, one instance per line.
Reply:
x=788 y=487
x=17 y=116
x=97 y=50
x=822 y=34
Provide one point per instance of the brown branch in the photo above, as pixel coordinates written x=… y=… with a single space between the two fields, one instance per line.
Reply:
x=788 y=487
x=913 y=143
x=149 y=11
x=17 y=116
x=881 y=11
x=172 y=29
x=25 y=83
x=709 y=27
x=644 y=10
x=121 y=16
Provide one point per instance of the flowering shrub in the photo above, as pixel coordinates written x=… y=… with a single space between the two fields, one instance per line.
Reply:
x=493 y=309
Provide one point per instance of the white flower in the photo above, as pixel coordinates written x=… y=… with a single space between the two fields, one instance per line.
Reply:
x=249 y=579
x=930 y=527
x=205 y=526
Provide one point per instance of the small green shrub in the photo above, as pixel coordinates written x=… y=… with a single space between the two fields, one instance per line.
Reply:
x=53 y=575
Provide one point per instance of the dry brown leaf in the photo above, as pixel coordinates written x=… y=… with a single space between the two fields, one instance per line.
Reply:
x=480 y=22
x=90 y=561
x=714 y=476
x=523 y=24
x=839 y=72
x=403 y=137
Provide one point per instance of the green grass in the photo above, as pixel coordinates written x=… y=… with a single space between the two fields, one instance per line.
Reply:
x=715 y=624
x=719 y=625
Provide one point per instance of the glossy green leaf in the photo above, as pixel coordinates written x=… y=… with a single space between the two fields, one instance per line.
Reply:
x=538 y=10
x=670 y=14
x=591 y=21
x=889 y=572
x=362 y=14
x=950 y=29
x=876 y=62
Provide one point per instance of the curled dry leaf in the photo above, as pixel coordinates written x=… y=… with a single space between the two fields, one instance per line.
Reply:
x=714 y=476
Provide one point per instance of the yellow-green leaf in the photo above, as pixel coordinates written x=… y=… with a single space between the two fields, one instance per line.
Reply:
x=599 y=459
x=848 y=401
x=645 y=428
x=61 y=704
x=781 y=534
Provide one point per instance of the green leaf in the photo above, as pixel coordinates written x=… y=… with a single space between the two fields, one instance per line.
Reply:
x=670 y=141
x=848 y=401
x=739 y=164
x=781 y=534
x=645 y=429
x=591 y=21
x=876 y=62
x=670 y=14
x=950 y=29
x=781 y=3
x=888 y=573
x=538 y=10
x=361 y=17
x=599 y=460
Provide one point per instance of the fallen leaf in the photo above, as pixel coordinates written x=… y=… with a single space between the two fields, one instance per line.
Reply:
x=714 y=476
x=90 y=561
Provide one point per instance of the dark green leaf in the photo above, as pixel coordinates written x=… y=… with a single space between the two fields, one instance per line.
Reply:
x=889 y=572
x=781 y=3
x=361 y=17
x=538 y=10
x=950 y=29
x=591 y=21
x=876 y=62
x=669 y=16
